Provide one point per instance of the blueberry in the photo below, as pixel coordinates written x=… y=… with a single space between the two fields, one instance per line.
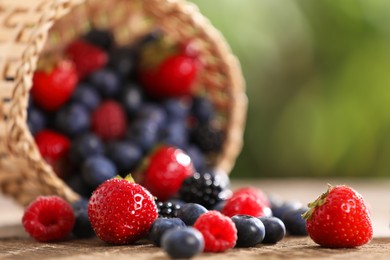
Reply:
x=250 y=230
x=132 y=99
x=87 y=96
x=219 y=206
x=176 y=108
x=161 y=225
x=150 y=111
x=182 y=243
x=274 y=229
x=175 y=134
x=77 y=183
x=85 y=146
x=36 y=120
x=190 y=212
x=294 y=222
x=203 y=109
x=97 y=169
x=279 y=208
x=107 y=82
x=197 y=157
x=82 y=226
x=73 y=120
x=125 y=155
x=143 y=132
x=123 y=61
x=101 y=38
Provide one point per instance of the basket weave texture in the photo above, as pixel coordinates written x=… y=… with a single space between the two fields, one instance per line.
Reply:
x=30 y=29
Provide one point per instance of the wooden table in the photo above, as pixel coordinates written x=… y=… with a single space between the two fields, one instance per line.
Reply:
x=15 y=244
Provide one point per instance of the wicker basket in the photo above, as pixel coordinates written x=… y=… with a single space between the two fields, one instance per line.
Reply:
x=33 y=28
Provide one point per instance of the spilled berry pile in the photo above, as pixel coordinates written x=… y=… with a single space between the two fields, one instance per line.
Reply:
x=101 y=111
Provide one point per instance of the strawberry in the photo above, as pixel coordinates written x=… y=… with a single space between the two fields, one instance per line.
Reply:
x=109 y=120
x=167 y=168
x=54 y=148
x=339 y=218
x=51 y=89
x=87 y=57
x=121 y=211
x=174 y=76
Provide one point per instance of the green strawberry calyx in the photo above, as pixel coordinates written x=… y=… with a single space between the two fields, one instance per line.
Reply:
x=317 y=203
x=128 y=178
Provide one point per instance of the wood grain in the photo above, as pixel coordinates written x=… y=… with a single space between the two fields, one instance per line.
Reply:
x=15 y=243
x=18 y=246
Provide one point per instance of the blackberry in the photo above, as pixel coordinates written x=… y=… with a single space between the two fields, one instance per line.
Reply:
x=206 y=189
x=167 y=209
x=207 y=137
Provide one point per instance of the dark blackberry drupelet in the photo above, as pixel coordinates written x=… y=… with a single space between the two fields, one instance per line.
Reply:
x=207 y=137
x=167 y=209
x=206 y=189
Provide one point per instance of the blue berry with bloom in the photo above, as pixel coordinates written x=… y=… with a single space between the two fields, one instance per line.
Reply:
x=97 y=169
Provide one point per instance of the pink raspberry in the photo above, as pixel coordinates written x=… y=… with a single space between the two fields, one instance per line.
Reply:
x=109 y=120
x=219 y=231
x=245 y=204
x=48 y=219
x=254 y=192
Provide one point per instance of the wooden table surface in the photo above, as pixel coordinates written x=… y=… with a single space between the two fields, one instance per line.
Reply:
x=15 y=243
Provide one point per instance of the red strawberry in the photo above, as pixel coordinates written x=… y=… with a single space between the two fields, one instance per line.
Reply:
x=54 y=148
x=339 y=218
x=174 y=76
x=109 y=120
x=121 y=211
x=87 y=57
x=51 y=89
x=166 y=170
x=259 y=194
x=48 y=219
x=245 y=204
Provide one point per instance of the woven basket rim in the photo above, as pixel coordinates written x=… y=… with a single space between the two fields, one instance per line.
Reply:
x=18 y=132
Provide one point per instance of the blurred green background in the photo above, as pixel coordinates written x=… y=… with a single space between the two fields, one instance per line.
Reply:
x=318 y=81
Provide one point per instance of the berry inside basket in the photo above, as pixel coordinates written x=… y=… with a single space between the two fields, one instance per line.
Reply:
x=117 y=85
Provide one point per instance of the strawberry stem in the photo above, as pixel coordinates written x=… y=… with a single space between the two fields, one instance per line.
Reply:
x=318 y=202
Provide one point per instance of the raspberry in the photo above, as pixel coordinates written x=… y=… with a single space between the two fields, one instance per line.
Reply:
x=254 y=192
x=219 y=231
x=109 y=121
x=48 y=219
x=245 y=205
